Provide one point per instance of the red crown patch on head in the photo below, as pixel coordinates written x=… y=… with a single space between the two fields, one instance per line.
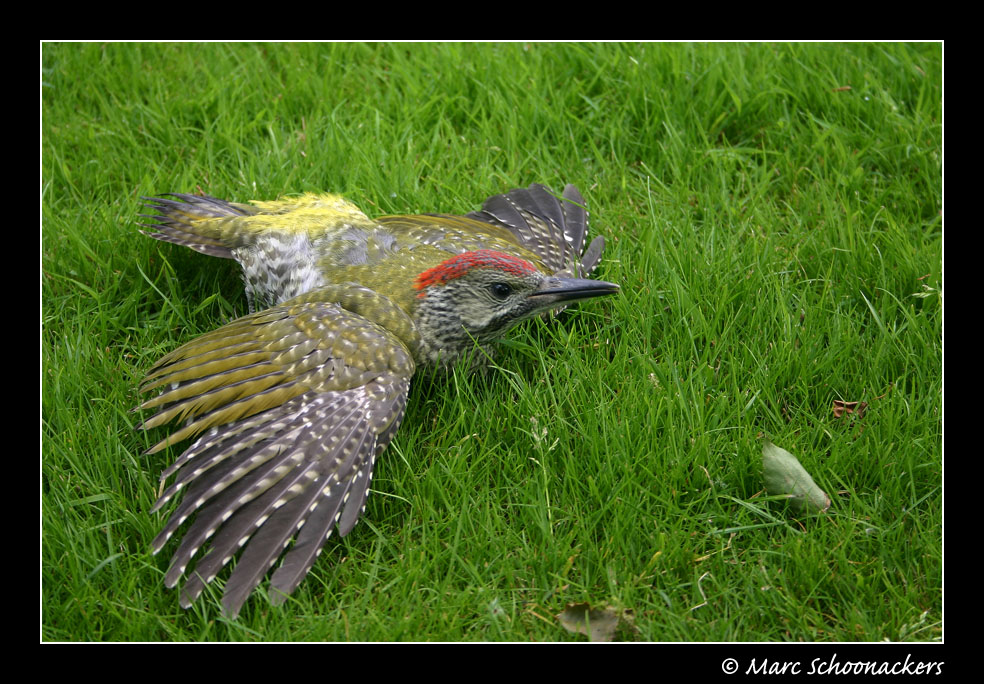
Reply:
x=461 y=264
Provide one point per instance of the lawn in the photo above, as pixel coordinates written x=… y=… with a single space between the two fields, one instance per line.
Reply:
x=773 y=213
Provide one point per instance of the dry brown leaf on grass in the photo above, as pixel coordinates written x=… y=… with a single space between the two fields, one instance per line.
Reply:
x=844 y=408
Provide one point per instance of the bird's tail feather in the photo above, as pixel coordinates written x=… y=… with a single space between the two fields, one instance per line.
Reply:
x=200 y=222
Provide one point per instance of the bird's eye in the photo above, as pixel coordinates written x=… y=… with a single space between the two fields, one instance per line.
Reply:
x=500 y=290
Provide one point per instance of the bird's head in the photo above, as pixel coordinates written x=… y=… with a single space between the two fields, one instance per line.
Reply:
x=477 y=296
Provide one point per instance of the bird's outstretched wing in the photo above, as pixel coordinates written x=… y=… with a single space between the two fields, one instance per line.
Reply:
x=295 y=403
x=553 y=228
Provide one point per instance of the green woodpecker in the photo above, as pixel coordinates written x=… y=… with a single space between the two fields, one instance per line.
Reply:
x=293 y=403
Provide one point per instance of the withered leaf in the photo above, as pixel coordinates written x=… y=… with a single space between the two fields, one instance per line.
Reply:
x=784 y=475
x=842 y=408
x=597 y=623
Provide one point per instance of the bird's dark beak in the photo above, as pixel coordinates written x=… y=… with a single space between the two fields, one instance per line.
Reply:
x=557 y=290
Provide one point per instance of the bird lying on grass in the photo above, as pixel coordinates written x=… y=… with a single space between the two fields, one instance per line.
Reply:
x=292 y=403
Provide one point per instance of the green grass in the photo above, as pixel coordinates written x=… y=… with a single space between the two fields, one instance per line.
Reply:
x=773 y=214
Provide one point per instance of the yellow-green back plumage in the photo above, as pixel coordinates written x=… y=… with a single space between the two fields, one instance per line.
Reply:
x=290 y=246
